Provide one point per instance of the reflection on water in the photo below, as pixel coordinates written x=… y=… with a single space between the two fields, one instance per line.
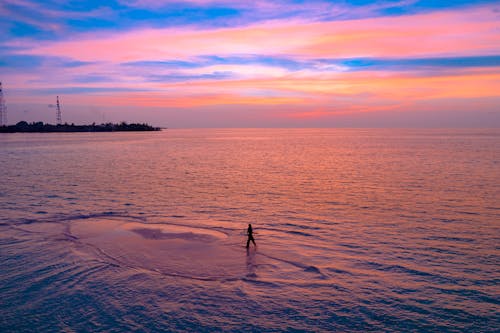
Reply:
x=357 y=230
x=251 y=263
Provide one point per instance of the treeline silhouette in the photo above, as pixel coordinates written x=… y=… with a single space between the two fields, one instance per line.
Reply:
x=40 y=127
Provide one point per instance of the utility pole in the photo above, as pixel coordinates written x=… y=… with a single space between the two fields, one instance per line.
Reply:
x=3 y=108
x=58 y=112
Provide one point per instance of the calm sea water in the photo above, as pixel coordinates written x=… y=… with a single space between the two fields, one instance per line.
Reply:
x=356 y=231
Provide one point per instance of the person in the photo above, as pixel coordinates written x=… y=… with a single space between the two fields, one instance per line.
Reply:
x=250 y=236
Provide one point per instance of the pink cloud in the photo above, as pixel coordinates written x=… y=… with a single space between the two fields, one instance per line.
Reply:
x=461 y=32
x=300 y=94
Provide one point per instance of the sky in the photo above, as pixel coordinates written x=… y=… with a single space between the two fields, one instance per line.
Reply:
x=260 y=63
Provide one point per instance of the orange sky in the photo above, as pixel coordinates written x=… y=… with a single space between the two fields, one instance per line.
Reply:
x=314 y=69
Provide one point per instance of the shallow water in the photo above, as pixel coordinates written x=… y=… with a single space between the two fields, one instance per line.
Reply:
x=357 y=230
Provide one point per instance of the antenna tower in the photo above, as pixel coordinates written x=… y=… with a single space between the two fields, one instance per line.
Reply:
x=3 y=108
x=58 y=112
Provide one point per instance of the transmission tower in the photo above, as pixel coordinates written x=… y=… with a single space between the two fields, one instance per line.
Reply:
x=58 y=112
x=3 y=108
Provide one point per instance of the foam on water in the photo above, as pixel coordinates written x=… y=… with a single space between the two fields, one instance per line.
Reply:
x=197 y=253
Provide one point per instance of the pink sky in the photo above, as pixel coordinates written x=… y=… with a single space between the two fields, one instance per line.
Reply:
x=294 y=69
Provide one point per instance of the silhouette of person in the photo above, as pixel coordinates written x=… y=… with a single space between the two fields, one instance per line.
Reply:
x=250 y=236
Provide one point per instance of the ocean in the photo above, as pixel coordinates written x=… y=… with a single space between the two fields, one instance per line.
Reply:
x=357 y=230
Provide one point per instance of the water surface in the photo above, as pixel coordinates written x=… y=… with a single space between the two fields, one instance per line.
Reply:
x=357 y=230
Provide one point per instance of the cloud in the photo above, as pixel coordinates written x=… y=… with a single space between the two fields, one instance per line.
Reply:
x=451 y=33
x=312 y=10
x=78 y=90
x=415 y=64
x=47 y=19
x=177 y=77
x=20 y=61
x=308 y=67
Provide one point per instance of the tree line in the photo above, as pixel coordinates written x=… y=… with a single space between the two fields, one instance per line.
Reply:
x=40 y=127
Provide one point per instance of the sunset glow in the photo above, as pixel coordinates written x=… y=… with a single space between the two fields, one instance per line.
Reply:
x=279 y=63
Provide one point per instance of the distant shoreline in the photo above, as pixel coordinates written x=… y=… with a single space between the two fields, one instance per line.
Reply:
x=40 y=127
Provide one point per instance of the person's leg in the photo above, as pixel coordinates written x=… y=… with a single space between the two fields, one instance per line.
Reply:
x=248 y=242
